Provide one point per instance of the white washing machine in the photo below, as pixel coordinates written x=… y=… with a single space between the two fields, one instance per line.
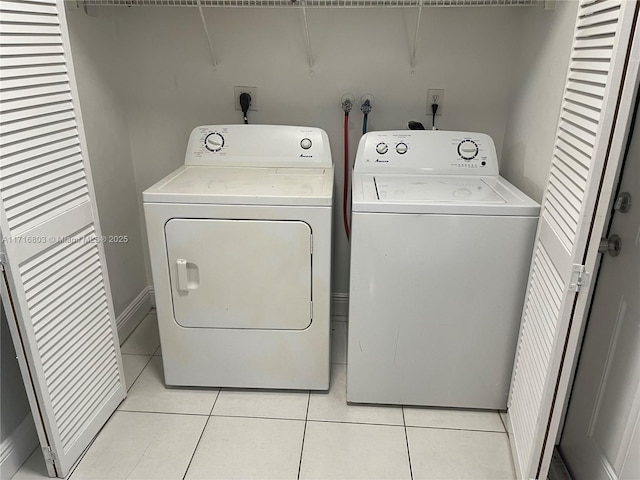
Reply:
x=440 y=253
x=240 y=245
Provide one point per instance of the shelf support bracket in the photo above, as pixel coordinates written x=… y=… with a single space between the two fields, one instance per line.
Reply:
x=307 y=37
x=412 y=61
x=82 y=4
x=206 y=32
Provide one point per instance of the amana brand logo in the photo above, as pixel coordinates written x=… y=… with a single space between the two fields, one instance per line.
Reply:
x=302 y=155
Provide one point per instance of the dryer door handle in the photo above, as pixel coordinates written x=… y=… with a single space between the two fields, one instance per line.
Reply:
x=183 y=281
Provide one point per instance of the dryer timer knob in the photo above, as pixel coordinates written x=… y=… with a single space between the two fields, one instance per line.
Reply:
x=382 y=148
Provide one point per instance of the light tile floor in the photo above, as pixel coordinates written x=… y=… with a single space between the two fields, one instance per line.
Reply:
x=194 y=433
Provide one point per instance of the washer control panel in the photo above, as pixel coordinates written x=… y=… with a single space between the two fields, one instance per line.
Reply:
x=427 y=151
x=258 y=145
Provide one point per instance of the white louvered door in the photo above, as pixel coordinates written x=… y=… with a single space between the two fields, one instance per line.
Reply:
x=590 y=109
x=54 y=264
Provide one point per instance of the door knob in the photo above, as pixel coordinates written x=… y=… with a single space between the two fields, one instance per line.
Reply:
x=611 y=245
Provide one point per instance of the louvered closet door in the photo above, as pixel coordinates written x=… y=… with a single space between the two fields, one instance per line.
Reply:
x=589 y=109
x=55 y=266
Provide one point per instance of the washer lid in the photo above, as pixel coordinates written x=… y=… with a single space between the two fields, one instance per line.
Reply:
x=434 y=189
x=442 y=194
x=244 y=186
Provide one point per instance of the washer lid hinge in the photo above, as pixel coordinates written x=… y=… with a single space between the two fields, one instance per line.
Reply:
x=48 y=455
x=579 y=278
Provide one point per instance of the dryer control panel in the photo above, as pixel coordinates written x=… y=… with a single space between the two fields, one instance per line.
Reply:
x=258 y=146
x=427 y=151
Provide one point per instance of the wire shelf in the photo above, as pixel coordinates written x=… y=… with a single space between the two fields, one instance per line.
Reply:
x=304 y=4
x=316 y=3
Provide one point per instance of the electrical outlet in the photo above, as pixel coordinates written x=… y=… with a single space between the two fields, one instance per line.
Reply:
x=435 y=96
x=253 y=91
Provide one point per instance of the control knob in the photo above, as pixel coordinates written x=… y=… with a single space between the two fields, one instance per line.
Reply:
x=214 y=142
x=402 y=148
x=306 y=143
x=468 y=149
x=382 y=148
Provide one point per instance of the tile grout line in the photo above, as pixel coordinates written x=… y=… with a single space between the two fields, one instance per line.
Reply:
x=201 y=435
x=164 y=413
x=75 y=466
x=504 y=425
x=315 y=420
x=406 y=438
x=304 y=432
x=312 y=420
x=141 y=354
x=456 y=429
x=196 y=448
x=137 y=376
x=215 y=401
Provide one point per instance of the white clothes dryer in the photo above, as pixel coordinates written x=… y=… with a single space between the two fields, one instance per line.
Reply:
x=440 y=252
x=240 y=246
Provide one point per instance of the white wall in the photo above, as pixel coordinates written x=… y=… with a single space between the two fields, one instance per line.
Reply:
x=544 y=47
x=169 y=86
x=105 y=120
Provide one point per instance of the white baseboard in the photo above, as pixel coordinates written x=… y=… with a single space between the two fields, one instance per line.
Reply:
x=339 y=304
x=17 y=447
x=131 y=317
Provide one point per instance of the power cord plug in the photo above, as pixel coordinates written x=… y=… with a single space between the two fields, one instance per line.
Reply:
x=366 y=108
x=245 y=102
x=434 y=110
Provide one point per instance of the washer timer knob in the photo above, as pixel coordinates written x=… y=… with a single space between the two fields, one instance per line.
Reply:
x=382 y=148
x=306 y=143
x=214 y=142
x=402 y=148
x=468 y=149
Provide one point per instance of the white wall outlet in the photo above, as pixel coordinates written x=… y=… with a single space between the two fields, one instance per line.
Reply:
x=253 y=91
x=435 y=96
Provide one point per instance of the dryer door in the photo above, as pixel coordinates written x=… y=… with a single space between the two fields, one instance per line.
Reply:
x=248 y=274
